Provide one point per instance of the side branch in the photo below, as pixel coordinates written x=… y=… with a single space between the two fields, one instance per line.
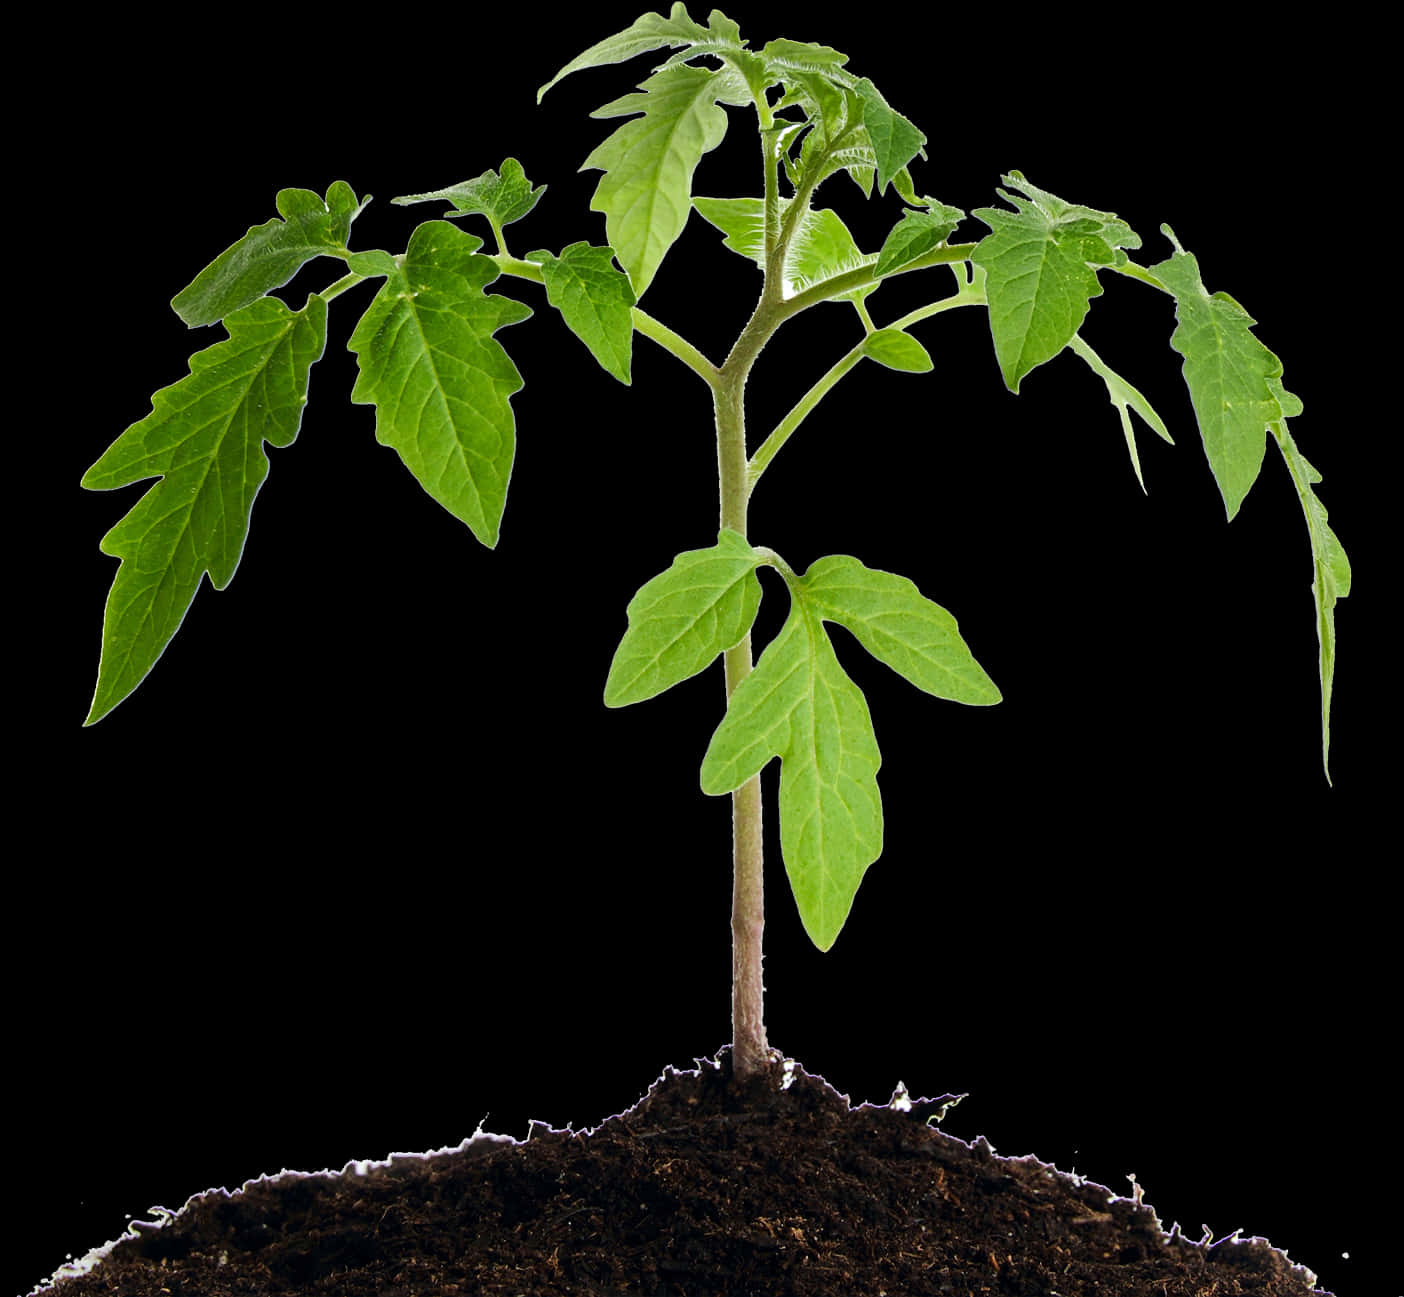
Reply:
x=1132 y=271
x=677 y=346
x=863 y=277
x=970 y=295
x=671 y=342
x=516 y=266
x=786 y=427
x=346 y=281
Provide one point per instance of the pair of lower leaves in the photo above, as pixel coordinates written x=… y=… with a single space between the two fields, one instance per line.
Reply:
x=797 y=704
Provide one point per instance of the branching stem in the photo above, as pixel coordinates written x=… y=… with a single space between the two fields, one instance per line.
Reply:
x=660 y=333
x=677 y=345
x=335 y=290
x=750 y=1049
x=787 y=426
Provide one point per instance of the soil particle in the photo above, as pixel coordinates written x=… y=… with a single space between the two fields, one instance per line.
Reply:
x=778 y=1190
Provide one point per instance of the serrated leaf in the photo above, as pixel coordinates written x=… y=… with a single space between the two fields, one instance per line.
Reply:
x=1331 y=580
x=796 y=56
x=681 y=620
x=722 y=40
x=823 y=100
x=838 y=141
x=440 y=382
x=894 y=139
x=204 y=438
x=503 y=198
x=800 y=706
x=750 y=66
x=595 y=300
x=271 y=254
x=646 y=191
x=821 y=248
x=898 y=350
x=898 y=625
x=1233 y=380
x=1038 y=281
x=916 y=234
x=1124 y=398
x=650 y=32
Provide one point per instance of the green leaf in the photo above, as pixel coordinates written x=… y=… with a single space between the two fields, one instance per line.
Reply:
x=898 y=625
x=651 y=32
x=894 y=139
x=1234 y=381
x=440 y=382
x=898 y=350
x=1038 y=282
x=823 y=99
x=838 y=141
x=800 y=706
x=906 y=191
x=821 y=248
x=683 y=618
x=785 y=56
x=916 y=234
x=204 y=438
x=1332 y=574
x=741 y=220
x=1125 y=398
x=814 y=79
x=501 y=198
x=595 y=300
x=750 y=66
x=646 y=190
x=271 y=254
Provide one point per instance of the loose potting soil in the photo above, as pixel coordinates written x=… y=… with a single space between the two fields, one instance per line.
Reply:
x=777 y=1189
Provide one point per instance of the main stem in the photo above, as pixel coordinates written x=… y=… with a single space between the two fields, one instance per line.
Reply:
x=750 y=1053
x=750 y=1050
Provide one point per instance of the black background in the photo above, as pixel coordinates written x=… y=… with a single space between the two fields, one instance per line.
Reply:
x=365 y=861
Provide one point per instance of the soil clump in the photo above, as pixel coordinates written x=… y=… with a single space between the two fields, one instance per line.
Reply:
x=702 y=1189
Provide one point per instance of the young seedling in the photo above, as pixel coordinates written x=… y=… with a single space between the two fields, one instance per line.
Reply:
x=441 y=383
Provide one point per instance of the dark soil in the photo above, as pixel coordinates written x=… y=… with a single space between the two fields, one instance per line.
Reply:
x=697 y=1190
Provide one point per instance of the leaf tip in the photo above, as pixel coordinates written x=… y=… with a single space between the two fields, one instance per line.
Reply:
x=98 y=708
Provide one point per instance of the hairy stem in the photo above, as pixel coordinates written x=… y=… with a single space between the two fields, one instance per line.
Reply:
x=803 y=406
x=677 y=345
x=750 y=1051
x=862 y=277
x=967 y=296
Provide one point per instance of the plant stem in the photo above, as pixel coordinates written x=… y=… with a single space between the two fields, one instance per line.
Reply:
x=751 y=1054
x=967 y=296
x=676 y=344
x=750 y=1051
x=796 y=416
